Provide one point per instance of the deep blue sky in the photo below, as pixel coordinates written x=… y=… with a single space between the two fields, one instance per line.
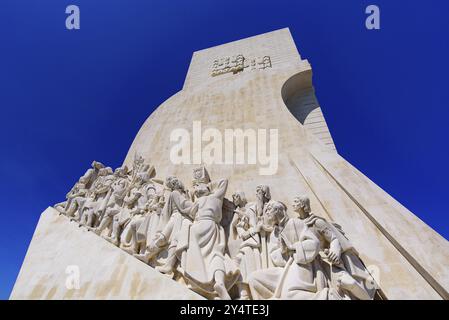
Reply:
x=68 y=97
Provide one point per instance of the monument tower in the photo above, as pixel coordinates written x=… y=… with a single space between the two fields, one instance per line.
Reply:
x=248 y=86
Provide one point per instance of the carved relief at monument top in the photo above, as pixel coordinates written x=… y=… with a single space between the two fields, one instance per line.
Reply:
x=239 y=63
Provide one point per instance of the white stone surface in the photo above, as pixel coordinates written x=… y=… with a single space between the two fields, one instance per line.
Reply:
x=106 y=272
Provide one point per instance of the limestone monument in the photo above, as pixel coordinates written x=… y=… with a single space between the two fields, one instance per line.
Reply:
x=233 y=189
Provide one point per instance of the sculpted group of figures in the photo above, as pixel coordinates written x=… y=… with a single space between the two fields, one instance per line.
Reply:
x=219 y=248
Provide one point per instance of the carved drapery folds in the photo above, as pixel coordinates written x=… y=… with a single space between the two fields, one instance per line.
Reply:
x=219 y=248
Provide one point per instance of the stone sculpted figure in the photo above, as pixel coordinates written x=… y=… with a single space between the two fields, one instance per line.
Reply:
x=114 y=206
x=347 y=273
x=78 y=194
x=201 y=245
x=294 y=251
x=137 y=207
x=91 y=174
x=263 y=196
x=97 y=198
x=177 y=208
x=75 y=200
x=87 y=209
x=248 y=257
x=149 y=227
x=130 y=207
x=134 y=203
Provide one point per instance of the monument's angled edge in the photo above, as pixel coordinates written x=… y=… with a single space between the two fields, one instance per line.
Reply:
x=157 y=219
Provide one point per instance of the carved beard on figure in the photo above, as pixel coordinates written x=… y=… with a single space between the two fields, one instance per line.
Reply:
x=259 y=205
x=261 y=200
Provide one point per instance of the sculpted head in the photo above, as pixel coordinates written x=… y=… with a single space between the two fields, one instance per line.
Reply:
x=173 y=183
x=239 y=199
x=81 y=184
x=91 y=194
x=301 y=205
x=105 y=171
x=121 y=171
x=263 y=193
x=139 y=181
x=97 y=165
x=117 y=171
x=143 y=177
x=275 y=212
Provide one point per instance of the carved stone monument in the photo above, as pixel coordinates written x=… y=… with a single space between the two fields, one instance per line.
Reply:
x=290 y=219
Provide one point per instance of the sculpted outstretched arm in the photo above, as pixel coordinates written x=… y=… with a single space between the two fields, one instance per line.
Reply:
x=183 y=205
x=326 y=231
x=219 y=188
x=86 y=176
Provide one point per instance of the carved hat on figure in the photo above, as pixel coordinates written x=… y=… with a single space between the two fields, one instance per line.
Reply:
x=200 y=175
x=201 y=182
x=173 y=183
